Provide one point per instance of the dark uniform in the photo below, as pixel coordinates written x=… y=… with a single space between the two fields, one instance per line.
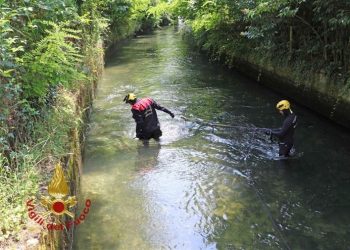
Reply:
x=285 y=134
x=145 y=115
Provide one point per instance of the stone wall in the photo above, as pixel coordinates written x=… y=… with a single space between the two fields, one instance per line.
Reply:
x=324 y=95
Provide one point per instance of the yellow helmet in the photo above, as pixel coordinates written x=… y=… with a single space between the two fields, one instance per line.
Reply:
x=282 y=105
x=130 y=98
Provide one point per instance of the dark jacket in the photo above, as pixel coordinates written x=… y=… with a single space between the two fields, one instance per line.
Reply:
x=285 y=134
x=145 y=116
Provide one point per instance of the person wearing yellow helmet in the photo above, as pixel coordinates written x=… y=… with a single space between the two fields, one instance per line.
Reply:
x=285 y=134
x=145 y=115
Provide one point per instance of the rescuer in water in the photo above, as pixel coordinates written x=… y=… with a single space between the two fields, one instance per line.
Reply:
x=145 y=115
x=285 y=134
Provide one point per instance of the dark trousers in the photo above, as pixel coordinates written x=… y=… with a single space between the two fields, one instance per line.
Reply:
x=154 y=134
x=284 y=149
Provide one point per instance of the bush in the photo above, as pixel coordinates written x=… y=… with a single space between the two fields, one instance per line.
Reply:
x=55 y=61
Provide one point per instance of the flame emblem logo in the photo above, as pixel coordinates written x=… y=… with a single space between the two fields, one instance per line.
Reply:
x=58 y=190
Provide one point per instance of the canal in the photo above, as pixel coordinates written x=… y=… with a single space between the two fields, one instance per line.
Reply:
x=204 y=187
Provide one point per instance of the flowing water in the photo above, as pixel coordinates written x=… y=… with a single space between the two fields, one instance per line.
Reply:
x=205 y=187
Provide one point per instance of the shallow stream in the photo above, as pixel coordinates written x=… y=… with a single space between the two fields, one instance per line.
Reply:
x=204 y=187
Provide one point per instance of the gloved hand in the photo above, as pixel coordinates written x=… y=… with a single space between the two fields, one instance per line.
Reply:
x=172 y=115
x=268 y=132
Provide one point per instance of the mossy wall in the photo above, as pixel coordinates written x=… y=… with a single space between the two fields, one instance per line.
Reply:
x=81 y=101
x=317 y=91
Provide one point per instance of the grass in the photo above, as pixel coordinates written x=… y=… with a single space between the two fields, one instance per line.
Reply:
x=50 y=142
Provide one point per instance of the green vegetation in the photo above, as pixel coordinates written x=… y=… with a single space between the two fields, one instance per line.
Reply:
x=50 y=52
x=21 y=179
x=306 y=35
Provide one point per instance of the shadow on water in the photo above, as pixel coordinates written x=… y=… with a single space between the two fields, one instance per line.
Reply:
x=204 y=187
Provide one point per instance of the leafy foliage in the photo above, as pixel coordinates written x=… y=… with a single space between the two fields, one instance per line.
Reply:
x=53 y=62
x=310 y=33
x=49 y=142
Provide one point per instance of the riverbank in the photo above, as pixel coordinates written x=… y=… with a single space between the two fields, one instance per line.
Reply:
x=326 y=96
x=59 y=139
x=300 y=49
x=51 y=61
